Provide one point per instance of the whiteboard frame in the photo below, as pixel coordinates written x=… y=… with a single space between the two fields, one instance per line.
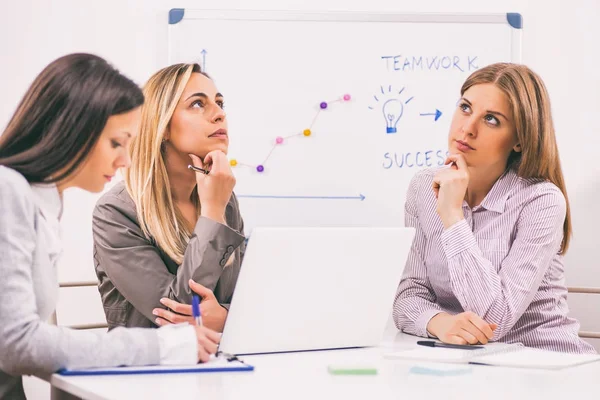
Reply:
x=513 y=20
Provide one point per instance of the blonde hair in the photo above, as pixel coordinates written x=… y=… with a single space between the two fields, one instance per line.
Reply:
x=530 y=104
x=146 y=180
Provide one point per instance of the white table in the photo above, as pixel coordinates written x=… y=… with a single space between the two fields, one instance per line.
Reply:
x=305 y=376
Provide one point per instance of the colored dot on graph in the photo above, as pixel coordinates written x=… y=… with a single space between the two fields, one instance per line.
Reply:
x=281 y=139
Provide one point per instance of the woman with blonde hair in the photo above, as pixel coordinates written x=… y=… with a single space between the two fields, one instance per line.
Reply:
x=167 y=230
x=493 y=224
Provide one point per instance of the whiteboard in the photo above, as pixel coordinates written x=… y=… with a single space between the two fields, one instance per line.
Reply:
x=402 y=72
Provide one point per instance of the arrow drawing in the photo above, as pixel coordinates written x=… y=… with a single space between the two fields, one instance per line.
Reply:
x=203 y=60
x=360 y=197
x=437 y=114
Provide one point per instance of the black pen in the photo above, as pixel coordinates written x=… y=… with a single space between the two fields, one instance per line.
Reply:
x=204 y=171
x=430 y=343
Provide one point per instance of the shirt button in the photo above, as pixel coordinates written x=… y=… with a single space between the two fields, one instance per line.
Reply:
x=223 y=262
x=229 y=249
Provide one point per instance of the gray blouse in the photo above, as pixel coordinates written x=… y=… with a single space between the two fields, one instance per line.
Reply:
x=134 y=273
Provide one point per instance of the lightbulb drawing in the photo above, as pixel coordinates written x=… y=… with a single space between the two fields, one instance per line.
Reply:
x=392 y=108
x=392 y=111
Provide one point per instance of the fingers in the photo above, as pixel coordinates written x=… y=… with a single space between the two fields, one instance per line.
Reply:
x=179 y=308
x=203 y=356
x=202 y=291
x=161 y=322
x=480 y=324
x=217 y=160
x=463 y=328
x=472 y=334
x=211 y=335
x=454 y=339
x=468 y=336
x=458 y=160
x=170 y=316
x=208 y=345
x=196 y=161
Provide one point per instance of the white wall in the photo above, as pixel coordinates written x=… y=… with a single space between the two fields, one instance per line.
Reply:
x=561 y=41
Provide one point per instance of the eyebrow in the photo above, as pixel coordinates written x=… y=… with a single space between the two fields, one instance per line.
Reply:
x=203 y=95
x=487 y=111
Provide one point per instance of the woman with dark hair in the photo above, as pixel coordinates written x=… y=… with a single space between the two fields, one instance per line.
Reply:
x=71 y=129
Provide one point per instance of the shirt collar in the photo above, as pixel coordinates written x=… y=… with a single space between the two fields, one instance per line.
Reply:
x=48 y=200
x=496 y=198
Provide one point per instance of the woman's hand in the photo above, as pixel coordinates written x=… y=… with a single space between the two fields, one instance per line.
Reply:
x=208 y=341
x=213 y=314
x=450 y=186
x=463 y=328
x=215 y=188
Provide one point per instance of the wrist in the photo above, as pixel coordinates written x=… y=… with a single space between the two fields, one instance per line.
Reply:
x=451 y=217
x=434 y=322
x=213 y=213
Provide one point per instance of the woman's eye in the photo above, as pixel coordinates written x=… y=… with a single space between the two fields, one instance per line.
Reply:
x=465 y=107
x=197 y=104
x=490 y=119
x=115 y=144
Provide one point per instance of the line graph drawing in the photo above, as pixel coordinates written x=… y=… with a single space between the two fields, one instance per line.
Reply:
x=279 y=140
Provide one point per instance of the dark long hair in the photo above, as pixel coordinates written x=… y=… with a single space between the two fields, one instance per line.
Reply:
x=61 y=116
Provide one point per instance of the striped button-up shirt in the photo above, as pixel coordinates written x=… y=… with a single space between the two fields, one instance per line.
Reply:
x=501 y=262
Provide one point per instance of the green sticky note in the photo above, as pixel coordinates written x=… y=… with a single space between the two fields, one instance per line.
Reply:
x=351 y=370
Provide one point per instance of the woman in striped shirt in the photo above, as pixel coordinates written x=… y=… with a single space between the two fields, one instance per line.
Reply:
x=493 y=224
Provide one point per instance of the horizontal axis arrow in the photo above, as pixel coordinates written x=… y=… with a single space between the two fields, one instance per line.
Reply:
x=360 y=197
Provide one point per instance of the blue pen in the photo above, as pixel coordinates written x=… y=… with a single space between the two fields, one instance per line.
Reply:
x=196 y=310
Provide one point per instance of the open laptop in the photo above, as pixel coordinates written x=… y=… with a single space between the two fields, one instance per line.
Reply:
x=315 y=288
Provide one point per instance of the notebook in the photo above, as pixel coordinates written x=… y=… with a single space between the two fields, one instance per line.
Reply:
x=220 y=364
x=497 y=354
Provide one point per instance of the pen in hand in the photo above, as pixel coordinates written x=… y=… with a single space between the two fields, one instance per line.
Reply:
x=194 y=168
x=196 y=310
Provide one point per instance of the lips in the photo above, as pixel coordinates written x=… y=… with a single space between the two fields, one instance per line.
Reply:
x=464 y=144
x=219 y=133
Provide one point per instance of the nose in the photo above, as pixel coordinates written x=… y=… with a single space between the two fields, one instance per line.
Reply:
x=123 y=161
x=218 y=115
x=470 y=126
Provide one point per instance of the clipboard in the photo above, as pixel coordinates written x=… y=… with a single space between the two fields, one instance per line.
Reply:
x=218 y=364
